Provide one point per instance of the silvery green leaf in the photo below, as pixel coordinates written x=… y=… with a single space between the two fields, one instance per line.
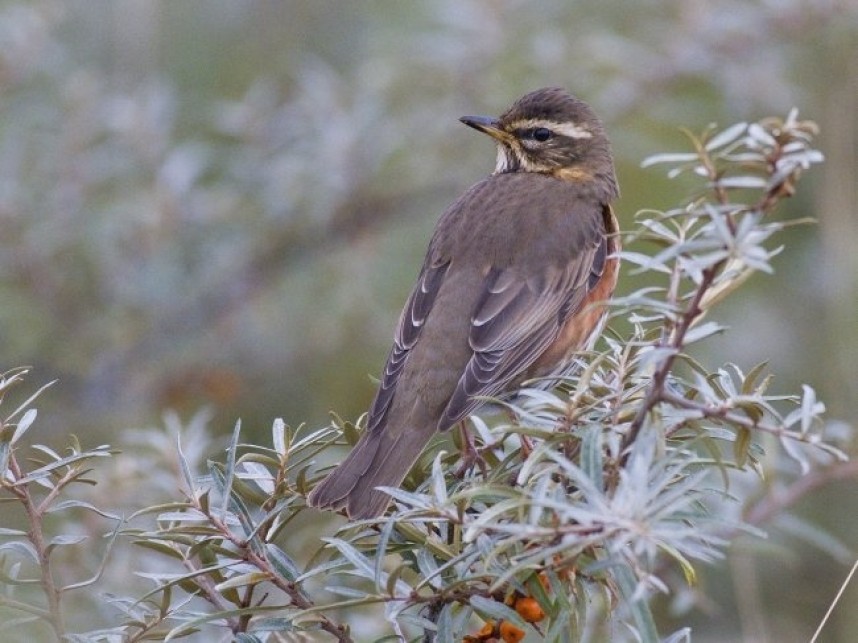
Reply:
x=760 y=135
x=360 y=563
x=421 y=623
x=278 y=436
x=259 y=474
x=591 y=456
x=795 y=450
x=282 y=563
x=38 y=475
x=670 y=157
x=190 y=515
x=229 y=469
x=410 y=499
x=244 y=637
x=703 y=331
x=21 y=547
x=810 y=408
x=274 y=624
x=444 y=632
x=428 y=567
x=653 y=357
x=6 y=532
x=64 y=540
x=641 y=613
x=185 y=468
x=482 y=429
x=242 y=580
x=791 y=119
x=26 y=403
x=726 y=136
x=744 y=157
x=646 y=262
x=80 y=504
x=23 y=424
x=439 y=484
x=752 y=182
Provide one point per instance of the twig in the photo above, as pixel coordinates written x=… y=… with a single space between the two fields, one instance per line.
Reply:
x=262 y=563
x=728 y=415
x=36 y=535
x=831 y=607
x=773 y=504
x=656 y=393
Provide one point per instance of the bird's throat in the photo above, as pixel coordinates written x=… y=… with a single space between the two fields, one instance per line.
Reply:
x=507 y=160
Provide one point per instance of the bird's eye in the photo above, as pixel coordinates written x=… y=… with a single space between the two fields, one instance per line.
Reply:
x=541 y=134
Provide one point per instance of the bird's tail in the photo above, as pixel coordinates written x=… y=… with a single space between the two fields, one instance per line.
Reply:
x=379 y=459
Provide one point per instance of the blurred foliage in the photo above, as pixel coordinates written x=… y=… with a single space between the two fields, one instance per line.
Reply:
x=224 y=203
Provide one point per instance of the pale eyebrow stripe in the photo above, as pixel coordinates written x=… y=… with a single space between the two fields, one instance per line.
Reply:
x=566 y=129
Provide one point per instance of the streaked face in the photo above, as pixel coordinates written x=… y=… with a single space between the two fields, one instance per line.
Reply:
x=540 y=144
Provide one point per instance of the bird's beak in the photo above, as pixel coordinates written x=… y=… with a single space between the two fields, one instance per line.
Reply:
x=487 y=125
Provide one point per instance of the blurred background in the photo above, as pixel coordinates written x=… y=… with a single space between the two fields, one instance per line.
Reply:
x=223 y=204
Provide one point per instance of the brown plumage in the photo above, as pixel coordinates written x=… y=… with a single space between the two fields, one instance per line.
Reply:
x=506 y=291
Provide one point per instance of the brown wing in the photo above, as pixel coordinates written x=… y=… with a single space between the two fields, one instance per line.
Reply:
x=410 y=324
x=516 y=319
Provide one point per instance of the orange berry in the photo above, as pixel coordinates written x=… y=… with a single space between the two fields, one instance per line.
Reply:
x=486 y=632
x=510 y=633
x=528 y=608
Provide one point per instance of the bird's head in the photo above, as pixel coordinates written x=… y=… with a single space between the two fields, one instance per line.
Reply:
x=551 y=132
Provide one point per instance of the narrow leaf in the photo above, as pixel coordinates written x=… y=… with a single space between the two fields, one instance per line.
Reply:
x=23 y=424
x=361 y=563
x=751 y=182
x=489 y=608
x=282 y=563
x=640 y=608
x=591 y=456
x=669 y=157
x=242 y=580
x=185 y=468
x=278 y=436
x=229 y=474
x=727 y=136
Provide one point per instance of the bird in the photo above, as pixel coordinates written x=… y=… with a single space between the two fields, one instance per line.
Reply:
x=515 y=282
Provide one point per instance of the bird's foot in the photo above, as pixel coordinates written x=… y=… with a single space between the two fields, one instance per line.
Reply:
x=471 y=455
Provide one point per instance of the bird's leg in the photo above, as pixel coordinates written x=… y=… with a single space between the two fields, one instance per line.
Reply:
x=526 y=445
x=470 y=453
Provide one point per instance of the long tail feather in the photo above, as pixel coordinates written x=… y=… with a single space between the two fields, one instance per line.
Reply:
x=379 y=459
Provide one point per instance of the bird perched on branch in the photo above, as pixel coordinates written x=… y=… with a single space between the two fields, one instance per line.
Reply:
x=513 y=284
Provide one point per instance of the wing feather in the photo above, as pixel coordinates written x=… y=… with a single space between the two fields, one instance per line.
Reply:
x=410 y=324
x=516 y=319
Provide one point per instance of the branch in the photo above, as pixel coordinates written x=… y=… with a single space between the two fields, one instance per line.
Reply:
x=774 y=503
x=36 y=535
x=726 y=414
